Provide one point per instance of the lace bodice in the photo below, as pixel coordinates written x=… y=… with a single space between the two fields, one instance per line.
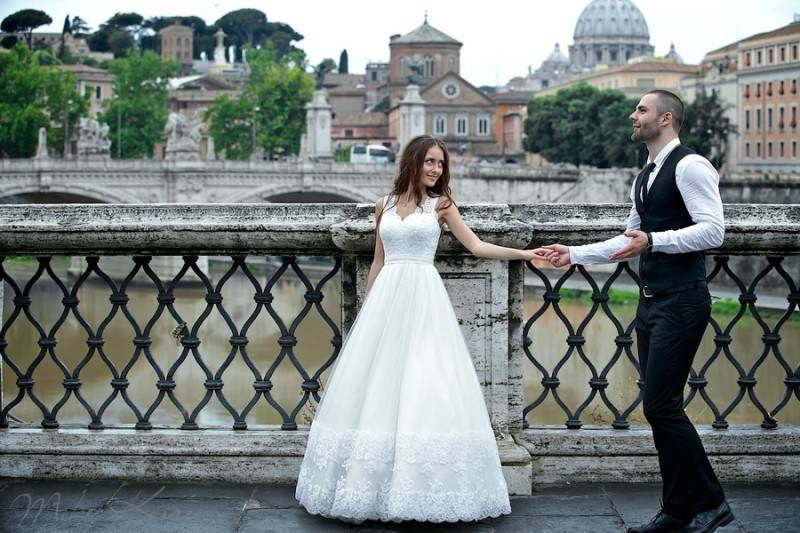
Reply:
x=413 y=238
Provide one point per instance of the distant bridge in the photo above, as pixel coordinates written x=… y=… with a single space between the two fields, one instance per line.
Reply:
x=156 y=181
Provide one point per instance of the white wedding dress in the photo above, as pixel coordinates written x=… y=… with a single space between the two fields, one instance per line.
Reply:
x=402 y=431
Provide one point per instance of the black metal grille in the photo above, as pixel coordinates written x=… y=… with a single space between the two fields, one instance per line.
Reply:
x=186 y=334
x=624 y=341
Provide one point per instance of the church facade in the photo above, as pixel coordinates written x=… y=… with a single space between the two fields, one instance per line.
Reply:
x=455 y=110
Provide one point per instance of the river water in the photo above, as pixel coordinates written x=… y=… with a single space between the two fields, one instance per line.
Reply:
x=314 y=348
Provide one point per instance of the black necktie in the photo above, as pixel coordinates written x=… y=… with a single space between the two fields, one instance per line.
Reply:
x=645 y=175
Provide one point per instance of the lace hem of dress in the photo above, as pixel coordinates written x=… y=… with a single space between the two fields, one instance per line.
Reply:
x=357 y=506
x=362 y=475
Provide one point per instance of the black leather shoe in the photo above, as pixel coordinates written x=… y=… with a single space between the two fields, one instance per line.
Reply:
x=661 y=523
x=709 y=521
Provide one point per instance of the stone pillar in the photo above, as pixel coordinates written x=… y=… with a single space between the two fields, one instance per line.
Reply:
x=412 y=115
x=41 y=148
x=318 y=127
x=211 y=154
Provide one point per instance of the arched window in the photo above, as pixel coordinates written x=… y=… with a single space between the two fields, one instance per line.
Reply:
x=440 y=125
x=461 y=125
x=429 y=66
x=483 y=125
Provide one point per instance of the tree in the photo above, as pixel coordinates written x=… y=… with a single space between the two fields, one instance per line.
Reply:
x=244 y=26
x=79 y=27
x=320 y=71
x=132 y=22
x=583 y=126
x=343 y=67
x=271 y=106
x=139 y=104
x=109 y=37
x=280 y=89
x=24 y=22
x=232 y=126
x=33 y=96
x=280 y=36
x=706 y=128
x=250 y=27
x=62 y=47
x=9 y=41
x=119 y=42
x=382 y=106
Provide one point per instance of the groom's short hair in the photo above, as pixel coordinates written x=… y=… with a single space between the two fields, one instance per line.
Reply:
x=667 y=101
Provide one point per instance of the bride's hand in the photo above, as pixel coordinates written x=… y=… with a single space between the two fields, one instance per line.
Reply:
x=557 y=254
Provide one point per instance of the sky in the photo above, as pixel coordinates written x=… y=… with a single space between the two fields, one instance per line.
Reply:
x=499 y=43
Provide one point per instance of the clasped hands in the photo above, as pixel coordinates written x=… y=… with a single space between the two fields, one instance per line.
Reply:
x=558 y=254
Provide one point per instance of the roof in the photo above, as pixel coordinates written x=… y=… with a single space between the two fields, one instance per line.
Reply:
x=451 y=74
x=425 y=34
x=345 y=90
x=83 y=68
x=199 y=81
x=334 y=79
x=512 y=97
x=361 y=119
x=789 y=29
x=649 y=66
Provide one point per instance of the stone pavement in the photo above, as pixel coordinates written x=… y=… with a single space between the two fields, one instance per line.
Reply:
x=63 y=506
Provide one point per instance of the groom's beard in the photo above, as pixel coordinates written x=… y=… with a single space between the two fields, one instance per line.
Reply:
x=645 y=132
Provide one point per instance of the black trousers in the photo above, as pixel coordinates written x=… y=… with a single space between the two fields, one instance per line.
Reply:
x=669 y=328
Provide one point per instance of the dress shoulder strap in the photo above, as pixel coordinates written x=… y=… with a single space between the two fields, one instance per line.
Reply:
x=430 y=203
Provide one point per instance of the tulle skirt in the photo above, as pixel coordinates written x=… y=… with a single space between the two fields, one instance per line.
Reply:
x=402 y=431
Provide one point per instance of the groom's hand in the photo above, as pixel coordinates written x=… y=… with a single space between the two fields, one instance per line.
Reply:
x=556 y=254
x=635 y=246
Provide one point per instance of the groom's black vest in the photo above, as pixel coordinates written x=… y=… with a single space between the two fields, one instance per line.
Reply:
x=664 y=210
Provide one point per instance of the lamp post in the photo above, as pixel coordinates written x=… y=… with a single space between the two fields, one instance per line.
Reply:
x=119 y=132
x=256 y=109
x=66 y=129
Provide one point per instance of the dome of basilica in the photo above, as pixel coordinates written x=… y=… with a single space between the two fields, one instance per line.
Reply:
x=557 y=58
x=611 y=18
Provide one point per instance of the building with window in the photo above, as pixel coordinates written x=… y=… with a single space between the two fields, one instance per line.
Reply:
x=94 y=82
x=635 y=78
x=460 y=114
x=768 y=99
x=455 y=109
x=435 y=52
x=177 y=42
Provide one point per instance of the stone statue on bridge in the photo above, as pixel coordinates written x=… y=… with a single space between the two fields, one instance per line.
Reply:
x=183 y=137
x=41 y=148
x=93 y=142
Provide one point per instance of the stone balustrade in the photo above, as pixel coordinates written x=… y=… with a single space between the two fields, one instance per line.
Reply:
x=487 y=296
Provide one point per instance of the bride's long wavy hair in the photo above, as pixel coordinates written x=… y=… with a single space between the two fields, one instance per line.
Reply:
x=410 y=173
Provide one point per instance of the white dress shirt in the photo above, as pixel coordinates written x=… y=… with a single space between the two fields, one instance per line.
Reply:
x=698 y=184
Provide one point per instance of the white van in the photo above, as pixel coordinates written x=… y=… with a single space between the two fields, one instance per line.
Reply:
x=370 y=153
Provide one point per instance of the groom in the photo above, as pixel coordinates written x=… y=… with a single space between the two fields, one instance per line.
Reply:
x=676 y=214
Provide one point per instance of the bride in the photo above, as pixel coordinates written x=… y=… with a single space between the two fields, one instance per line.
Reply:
x=402 y=431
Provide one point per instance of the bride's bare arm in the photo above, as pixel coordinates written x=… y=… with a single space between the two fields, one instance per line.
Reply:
x=477 y=247
x=377 y=261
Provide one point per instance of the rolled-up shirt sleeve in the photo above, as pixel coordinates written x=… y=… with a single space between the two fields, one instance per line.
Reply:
x=698 y=183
